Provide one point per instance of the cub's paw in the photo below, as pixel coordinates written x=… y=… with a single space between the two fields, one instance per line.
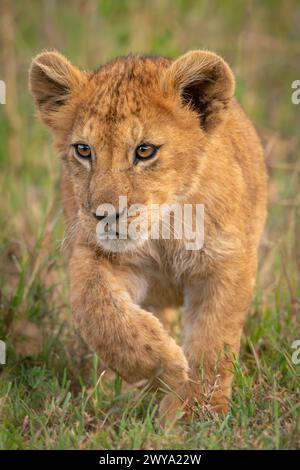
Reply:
x=185 y=404
x=219 y=407
x=172 y=409
x=176 y=405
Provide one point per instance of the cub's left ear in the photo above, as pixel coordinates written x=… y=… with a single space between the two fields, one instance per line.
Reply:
x=204 y=82
x=52 y=81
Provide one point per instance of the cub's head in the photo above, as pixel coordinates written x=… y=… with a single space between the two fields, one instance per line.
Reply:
x=137 y=127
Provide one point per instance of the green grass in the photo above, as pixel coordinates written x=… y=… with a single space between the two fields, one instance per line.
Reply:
x=46 y=404
x=52 y=393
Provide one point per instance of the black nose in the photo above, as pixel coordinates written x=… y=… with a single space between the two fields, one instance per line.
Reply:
x=98 y=217
x=101 y=217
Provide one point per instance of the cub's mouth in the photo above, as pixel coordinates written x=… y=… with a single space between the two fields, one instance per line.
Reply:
x=121 y=232
x=120 y=246
x=128 y=230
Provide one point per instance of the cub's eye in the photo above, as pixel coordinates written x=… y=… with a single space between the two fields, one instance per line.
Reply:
x=145 y=152
x=83 y=151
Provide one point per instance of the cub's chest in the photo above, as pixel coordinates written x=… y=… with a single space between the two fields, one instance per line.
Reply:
x=166 y=274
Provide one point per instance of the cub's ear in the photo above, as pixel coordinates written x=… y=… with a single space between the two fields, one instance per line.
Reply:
x=204 y=82
x=52 y=80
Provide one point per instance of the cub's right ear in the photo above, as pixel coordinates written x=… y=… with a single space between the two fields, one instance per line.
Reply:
x=204 y=82
x=52 y=80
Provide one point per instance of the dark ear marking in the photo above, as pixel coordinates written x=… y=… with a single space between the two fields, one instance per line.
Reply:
x=204 y=82
x=52 y=80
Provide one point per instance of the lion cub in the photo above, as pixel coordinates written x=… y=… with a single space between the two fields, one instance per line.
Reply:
x=158 y=132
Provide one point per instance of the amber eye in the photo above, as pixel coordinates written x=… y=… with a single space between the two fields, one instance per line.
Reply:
x=83 y=151
x=145 y=151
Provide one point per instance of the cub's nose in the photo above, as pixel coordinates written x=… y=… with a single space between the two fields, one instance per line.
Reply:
x=101 y=217
x=98 y=217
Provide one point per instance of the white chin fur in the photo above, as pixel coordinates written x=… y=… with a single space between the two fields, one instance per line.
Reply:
x=120 y=246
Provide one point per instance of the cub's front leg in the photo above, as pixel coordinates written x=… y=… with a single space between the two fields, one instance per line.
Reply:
x=129 y=340
x=215 y=311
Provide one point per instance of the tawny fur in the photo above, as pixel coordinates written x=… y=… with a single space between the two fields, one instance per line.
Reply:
x=209 y=154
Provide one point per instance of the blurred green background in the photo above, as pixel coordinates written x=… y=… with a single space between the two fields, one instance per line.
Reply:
x=260 y=40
